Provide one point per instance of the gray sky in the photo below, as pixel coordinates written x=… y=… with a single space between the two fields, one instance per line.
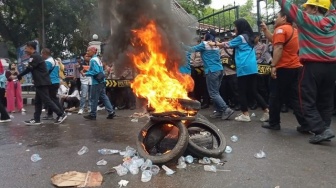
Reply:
x=217 y=4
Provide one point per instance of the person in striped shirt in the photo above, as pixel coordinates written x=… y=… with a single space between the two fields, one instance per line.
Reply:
x=317 y=29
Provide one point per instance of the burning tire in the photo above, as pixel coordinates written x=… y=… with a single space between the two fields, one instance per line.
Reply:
x=190 y=104
x=162 y=141
x=171 y=116
x=200 y=146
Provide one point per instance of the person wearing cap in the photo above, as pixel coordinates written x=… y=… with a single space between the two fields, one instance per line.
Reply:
x=98 y=88
x=285 y=67
x=317 y=29
x=213 y=70
x=38 y=68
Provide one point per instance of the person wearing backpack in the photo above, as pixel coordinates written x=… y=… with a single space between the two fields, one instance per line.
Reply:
x=98 y=88
x=285 y=67
x=247 y=69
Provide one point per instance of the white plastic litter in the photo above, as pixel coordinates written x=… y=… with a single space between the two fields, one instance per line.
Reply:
x=234 y=138
x=214 y=160
x=261 y=154
x=189 y=159
x=168 y=170
x=228 y=149
x=155 y=169
x=146 y=176
x=212 y=168
x=102 y=162
x=35 y=158
x=123 y=183
x=83 y=150
x=121 y=170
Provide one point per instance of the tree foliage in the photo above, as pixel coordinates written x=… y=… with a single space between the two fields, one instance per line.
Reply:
x=68 y=23
x=195 y=7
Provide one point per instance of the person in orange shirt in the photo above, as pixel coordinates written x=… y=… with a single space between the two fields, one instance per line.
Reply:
x=285 y=67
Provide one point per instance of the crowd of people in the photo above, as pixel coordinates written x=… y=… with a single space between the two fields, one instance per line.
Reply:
x=302 y=74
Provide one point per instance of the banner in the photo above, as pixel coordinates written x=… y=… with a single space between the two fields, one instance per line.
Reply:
x=69 y=66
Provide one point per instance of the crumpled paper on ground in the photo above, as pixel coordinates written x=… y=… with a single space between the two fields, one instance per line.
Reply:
x=77 y=179
x=123 y=183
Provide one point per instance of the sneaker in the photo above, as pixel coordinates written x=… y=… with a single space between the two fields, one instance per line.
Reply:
x=303 y=130
x=23 y=110
x=227 y=113
x=48 y=117
x=111 y=115
x=266 y=125
x=89 y=117
x=43 y=110
x=32 y=122
x=61 y=118
x=89 y=110
x=100 y=108
x=324 y=136
x=243 y=117
x=216 y=115
x=71 y=109
x=5 y=120
x=265 y=117
x=80 y=111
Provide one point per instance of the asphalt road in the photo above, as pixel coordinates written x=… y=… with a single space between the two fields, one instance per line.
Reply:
x=290 y=162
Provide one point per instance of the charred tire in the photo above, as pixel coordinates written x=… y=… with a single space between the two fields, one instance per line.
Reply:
x=197 y=117
x=190 y=104
x=175 y=153
x=157 y=119
x=198 y=151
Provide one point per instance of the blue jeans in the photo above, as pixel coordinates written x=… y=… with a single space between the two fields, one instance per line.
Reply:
x=85 y=92
x=213 y=81
x=99 y=91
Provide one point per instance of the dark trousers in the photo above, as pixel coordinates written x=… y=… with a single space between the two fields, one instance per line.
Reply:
x=42 y=97
x=72 y=102
x=263 y=86
x=248 y=85
x=316 y=95
x=3 y=100
x=229 y=89
x=282 y=87
x=200 y=88
x=3 y=111
x=78 y=83
x=53 y=89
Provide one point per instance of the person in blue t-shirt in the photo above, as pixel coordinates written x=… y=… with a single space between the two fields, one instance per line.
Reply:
x=53 y=70
x=247 y=69
x=213 y=70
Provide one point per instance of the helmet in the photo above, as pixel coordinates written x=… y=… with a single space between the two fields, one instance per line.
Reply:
x=320 y=3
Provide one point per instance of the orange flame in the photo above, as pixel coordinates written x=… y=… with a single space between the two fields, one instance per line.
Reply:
x=160 y=86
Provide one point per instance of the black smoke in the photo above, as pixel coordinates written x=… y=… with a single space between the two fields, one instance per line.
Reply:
x=126 y=15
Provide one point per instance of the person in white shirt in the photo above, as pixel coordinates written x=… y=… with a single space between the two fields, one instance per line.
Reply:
x=72 y=98
x=86 y=82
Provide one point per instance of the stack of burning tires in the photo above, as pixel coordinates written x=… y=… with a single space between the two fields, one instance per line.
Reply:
x=169 y=135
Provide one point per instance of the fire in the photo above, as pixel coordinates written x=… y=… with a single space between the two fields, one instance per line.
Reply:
x=155 y=82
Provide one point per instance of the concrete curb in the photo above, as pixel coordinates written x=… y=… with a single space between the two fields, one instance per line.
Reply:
x=27 y=101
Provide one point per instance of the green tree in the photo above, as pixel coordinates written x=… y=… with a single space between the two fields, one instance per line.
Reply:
x=68 y=25
x=195 y=7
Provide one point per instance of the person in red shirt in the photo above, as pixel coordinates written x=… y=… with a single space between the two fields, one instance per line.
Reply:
x=285 y=67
